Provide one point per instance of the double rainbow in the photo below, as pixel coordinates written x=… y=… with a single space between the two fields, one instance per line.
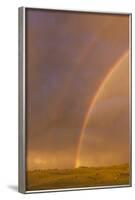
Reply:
x=92 y=104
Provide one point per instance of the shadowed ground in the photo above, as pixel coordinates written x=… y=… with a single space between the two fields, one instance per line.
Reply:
x=79 y=177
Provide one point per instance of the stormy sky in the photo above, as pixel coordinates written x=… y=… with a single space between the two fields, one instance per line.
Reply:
x=68 y=55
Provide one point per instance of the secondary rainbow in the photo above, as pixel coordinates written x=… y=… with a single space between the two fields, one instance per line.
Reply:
x=92 y=103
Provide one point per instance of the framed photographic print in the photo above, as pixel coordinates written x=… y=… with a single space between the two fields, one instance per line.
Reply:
x=74 y=100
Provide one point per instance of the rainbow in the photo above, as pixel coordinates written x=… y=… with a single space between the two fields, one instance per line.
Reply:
x=92 y=104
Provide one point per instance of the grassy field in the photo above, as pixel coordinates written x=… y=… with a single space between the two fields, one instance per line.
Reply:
x=79 y=177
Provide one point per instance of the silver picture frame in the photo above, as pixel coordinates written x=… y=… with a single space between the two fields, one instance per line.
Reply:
x=22 y=102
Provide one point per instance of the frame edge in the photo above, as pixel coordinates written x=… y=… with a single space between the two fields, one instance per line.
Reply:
x=21 y=98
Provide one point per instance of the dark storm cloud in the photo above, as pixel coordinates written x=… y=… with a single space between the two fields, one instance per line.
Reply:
x=68 y=55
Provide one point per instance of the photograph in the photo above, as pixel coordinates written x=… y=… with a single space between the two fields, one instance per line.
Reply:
x=77 y=109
